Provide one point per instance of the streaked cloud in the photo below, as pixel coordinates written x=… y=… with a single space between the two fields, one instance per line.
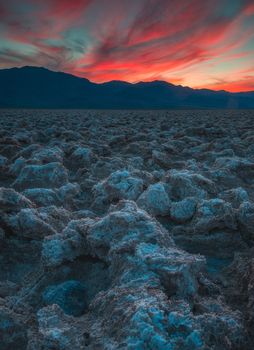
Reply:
x=133 y=40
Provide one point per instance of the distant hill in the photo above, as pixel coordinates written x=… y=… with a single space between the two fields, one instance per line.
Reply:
x=34 y=87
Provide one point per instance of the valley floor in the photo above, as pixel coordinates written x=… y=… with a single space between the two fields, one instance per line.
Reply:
x=126 y=230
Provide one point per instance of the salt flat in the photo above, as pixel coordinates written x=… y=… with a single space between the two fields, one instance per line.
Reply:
x=127 y=229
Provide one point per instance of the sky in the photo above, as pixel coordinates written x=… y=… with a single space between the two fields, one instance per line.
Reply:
x=196 y=43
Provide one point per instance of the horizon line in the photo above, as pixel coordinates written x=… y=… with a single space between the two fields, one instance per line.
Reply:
x=127 y=82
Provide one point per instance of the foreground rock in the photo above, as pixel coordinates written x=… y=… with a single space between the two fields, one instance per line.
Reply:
x=126 y=230
x=11 y=200
x=50 y=175
x=119 y=185
x=155 y=200
x=184 y=210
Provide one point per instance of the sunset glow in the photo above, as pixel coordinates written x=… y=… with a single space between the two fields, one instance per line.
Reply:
x=196 y=43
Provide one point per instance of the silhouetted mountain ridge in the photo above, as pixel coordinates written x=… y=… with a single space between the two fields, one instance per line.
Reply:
x=38 y=87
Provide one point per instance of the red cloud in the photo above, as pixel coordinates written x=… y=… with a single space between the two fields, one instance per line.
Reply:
x=249 y=10
x=244 y=84
x=127 y=56
x=42 y=20
x=129 y=40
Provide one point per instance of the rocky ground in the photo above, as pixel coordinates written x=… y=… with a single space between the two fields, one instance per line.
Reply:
x=127 y=230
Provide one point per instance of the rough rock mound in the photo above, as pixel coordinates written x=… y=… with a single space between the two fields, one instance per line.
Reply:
x=115 y=239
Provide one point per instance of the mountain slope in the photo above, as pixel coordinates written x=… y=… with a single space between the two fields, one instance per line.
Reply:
x=34 y=87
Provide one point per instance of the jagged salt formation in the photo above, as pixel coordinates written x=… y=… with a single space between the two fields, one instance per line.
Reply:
x=126 y=230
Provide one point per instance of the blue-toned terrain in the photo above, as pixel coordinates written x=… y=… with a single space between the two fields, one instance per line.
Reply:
x=126 y=230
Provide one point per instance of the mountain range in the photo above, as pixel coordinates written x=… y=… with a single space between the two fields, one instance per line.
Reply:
x=37 y=87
